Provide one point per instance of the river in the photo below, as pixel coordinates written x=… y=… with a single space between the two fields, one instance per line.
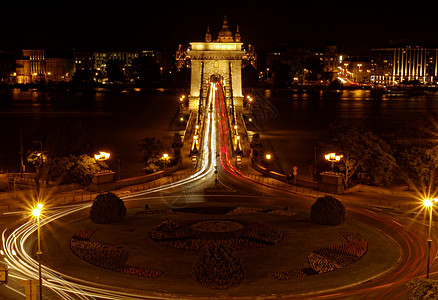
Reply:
x=291 y=122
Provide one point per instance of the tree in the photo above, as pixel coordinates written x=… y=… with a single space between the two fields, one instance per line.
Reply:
x=152 y=151
x=416 y=152
x=362 y=150
x=79 y=169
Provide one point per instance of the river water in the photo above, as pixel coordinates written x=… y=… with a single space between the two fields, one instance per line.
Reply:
x=291 y=122
x=114 y=121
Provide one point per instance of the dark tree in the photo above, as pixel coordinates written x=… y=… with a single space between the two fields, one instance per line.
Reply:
x=361 y=150
x=152 y=151
x=107 y=208
x=416 y=152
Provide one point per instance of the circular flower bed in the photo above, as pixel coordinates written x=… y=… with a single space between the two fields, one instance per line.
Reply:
x=201 y=234
x=217 y=229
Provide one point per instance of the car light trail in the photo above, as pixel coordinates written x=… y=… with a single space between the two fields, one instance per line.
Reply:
x=23 y=266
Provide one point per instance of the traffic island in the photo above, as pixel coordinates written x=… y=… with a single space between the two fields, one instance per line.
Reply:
x=293 y=237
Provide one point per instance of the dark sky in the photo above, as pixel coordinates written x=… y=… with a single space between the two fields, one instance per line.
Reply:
x=354 y=26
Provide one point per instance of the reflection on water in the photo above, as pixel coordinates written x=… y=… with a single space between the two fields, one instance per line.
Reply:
x=117 y=121
x=304 y=116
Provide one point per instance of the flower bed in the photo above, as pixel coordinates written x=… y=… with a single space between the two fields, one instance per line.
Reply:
x=330 y=258
x=181 y=235
x=242 y=210
x=106 y=256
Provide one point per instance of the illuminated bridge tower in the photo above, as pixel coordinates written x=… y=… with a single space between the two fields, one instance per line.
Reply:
x=219 y=60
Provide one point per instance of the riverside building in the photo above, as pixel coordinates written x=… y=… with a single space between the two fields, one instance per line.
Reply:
x=404 y=64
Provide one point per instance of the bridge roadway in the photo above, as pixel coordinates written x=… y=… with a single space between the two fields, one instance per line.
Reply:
x=18 y=240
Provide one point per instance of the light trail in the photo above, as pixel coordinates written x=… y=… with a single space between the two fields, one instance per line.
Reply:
x=22 y=266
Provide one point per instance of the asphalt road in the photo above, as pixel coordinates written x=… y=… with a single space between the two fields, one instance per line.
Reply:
x=406 y=230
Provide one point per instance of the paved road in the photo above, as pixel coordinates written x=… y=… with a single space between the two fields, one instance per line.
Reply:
x=408 y=232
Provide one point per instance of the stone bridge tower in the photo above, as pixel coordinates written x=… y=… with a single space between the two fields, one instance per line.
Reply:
x=219 y=60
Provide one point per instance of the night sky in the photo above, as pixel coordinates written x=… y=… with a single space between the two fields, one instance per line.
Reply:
x=355 y=26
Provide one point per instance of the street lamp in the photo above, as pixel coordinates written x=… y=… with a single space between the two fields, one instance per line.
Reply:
x=36 y=212
x=268 y=160
x=332 y=157
x=165 y=157
x=429 y=203
x=102 y=156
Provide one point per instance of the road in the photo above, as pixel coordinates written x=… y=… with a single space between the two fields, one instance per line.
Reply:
x=19 y=234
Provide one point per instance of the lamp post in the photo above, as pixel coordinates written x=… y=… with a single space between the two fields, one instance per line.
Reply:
x=332 y=157
x=37 y=213
x=165 y=157
x=429 y=203
x=268 y=161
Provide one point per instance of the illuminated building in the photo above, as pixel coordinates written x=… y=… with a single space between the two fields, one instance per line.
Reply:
x=217 y=60
x=31 y=67
x=59 y=69
x=404 y=64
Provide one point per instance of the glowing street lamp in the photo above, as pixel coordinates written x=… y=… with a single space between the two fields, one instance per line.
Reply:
x=429 y=203
x=165 y=157
x=268 y=160
x=36 y=212
x=102 y=156
x=333 y=158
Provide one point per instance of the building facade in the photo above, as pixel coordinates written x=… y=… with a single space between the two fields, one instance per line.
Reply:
x=216 y=60
x=404 y=65
x=59 y=69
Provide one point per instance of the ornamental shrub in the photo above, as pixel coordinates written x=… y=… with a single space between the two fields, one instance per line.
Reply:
x=107 y=208
x=327 y=210
x=218 y=267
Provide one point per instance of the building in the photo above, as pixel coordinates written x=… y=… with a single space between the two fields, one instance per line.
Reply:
x=7 y=68
x=330 y=61
x=59 y=69
x=30 y=67
x=404 y=64
x=220 y=60
x=355 y=69
x=84 y=60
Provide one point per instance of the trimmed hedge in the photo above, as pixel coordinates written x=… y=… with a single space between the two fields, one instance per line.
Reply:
x=327 y=210
x=107 y=208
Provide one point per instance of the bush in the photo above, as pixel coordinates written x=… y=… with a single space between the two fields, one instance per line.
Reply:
x=327 y=210
x=107 y=208
x=218 y=268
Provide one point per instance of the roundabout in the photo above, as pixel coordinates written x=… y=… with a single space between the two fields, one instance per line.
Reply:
x=264 y=266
